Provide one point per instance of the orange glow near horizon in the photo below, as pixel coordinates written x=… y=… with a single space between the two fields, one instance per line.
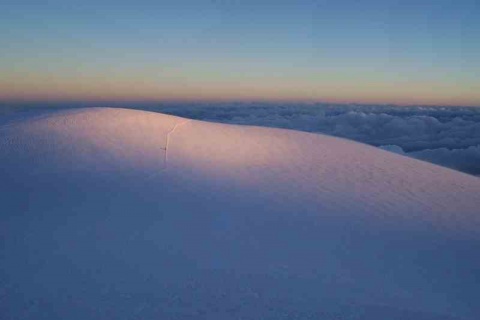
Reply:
x=52 y=89
x=372 y=53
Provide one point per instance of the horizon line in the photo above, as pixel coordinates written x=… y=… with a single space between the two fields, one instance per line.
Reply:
x=150 y=102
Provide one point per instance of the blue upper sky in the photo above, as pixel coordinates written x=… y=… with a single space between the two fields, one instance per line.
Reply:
x=364 y=51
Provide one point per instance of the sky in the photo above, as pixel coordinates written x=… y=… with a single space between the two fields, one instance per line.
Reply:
x=372 y=51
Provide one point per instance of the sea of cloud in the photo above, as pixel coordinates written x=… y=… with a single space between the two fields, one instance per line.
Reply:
x=447 y=136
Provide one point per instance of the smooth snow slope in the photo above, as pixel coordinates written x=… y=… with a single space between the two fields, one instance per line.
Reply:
x=122 y=214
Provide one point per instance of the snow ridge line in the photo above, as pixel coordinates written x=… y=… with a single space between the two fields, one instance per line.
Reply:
x=168 y=140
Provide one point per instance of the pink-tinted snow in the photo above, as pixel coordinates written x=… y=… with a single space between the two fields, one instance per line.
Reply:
x=116 y=213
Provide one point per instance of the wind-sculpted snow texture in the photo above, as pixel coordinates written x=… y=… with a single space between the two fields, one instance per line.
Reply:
x=101 y=218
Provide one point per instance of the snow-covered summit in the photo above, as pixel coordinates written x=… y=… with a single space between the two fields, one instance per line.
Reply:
x=116 y=213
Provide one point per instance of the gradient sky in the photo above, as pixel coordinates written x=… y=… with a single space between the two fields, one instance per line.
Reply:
x=373 y=51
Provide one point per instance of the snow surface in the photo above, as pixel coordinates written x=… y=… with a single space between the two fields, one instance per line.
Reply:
x=448 y=136
x=125 y=214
